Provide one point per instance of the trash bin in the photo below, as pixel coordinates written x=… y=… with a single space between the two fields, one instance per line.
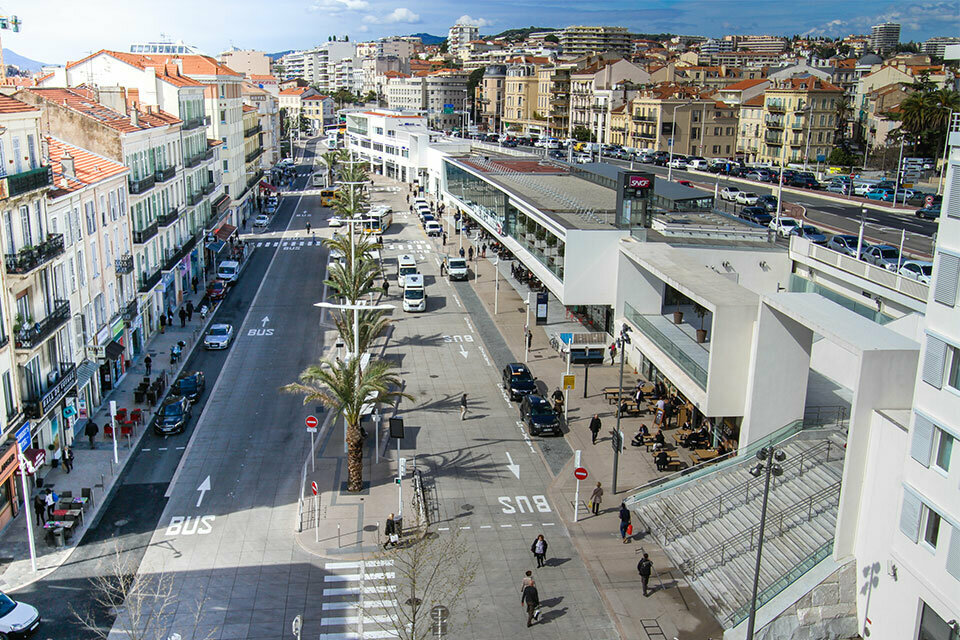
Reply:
x=58 y=537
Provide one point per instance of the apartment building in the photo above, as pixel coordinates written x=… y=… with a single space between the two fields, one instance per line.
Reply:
x=553 y=96
x=750 y=129
x=403 y=47
x=460 y=36
x=681 y=118
x=268 y=109
x=246 y=61
x=252 y=145
x=798 y=120
x=884 y=37
x=597 y=89
x=762 y=44
x=738 y=59
x=319 y=111
x=295 y=65
x=579 y=40
x=936 y=47
x=440 y=94
x=318 y=66
x=520 y=96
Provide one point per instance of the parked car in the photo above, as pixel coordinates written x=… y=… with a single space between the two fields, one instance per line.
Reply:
x=538 y=416
x=880 y=193
x=747 y=198
x=837 y=186
x=271 y=208
x=518 y=381
x=919 y=270
x=217 y=289
x=678 y=163
x=173 y=416
x=685 y=183
x=699 y=164
x=883 y=255
x=809 y=232
x=335 y=221
x=261 y=221
x=17 y=620
x=804 y=182
x=784 y=226
x=929 y=213
x=768 y=202
x=758 y=215
x=433 y=229
x=844 y=243
x=219 y=336
x=228 y=271
x=759 y=176
x=189 y=385
x=729 y=194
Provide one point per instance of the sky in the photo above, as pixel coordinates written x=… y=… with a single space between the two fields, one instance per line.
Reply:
x=57 y=31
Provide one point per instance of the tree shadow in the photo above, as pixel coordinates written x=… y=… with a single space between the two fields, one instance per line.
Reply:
x=418 y=340
x=462 y=463
x=451 y=403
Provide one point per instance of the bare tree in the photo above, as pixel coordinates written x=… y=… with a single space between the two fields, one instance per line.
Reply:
x=141 y=606
x=411 y=579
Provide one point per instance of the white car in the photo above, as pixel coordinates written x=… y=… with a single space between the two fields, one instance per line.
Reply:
x=335 y=221
x=677 y=163
x=785 y=226
x=747 y=197
x=919 y=270
x=261 y=220
x=433 y=229
x=729 y=194
x=218 y=337
x=17 y=620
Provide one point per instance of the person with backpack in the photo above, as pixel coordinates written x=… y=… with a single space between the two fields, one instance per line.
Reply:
x=530 y=598
x=644 y=567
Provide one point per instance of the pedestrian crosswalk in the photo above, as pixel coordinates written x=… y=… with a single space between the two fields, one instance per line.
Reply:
x=418 y=247
x=358 y=599
x=286 y=243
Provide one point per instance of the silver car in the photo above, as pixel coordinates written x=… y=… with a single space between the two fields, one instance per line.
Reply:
x=218 y=337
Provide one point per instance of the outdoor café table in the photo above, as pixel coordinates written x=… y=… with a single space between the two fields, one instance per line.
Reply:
x=672 y=455
x=78 y=500
x=703 y=455
x=67 y=525
x=61 y=512
x=681 y=434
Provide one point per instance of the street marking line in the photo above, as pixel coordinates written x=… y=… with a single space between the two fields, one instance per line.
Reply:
x=146 y=449
x=355 y=591
x=443 y=528
x=526 y=525
x=505 y=526
x=161 y=448
x=486 y=526
x=462 y=528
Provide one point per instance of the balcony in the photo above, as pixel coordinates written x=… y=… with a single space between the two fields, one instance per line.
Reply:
x=30 y=180
x=208 y=154
x=774 y=123
x=683 y=350
x=141 y=185
x=130 y=310
x=124 y=264
x=30 y=258
x=175 y=257
x=638 y=117
x=775 y=107
x=193 y=123
x=192 y=161
x=31 y=336
x=252 y=131
x=38 y=406
x=162 y=175
x=797 y=125
x=253 y=155
x=208 y=188
x=142 y=236
x=598 y=108
x=148 y=281
x=168 y=217
x=643 y=135
x=194 y=197
x=772 y=138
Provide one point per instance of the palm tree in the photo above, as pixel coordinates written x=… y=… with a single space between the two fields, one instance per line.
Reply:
x=372 y=324
x=330 y=159
x=363 y=245
x=353 y=283
x=345 y=387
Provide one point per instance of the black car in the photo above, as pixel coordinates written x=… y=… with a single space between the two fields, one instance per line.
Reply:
x=518 y=381
x=804 y=182
x=538 y=416
x=768 y=202
x=173 y=416
x=758 y=215
x=929 y=213
x=189 y=385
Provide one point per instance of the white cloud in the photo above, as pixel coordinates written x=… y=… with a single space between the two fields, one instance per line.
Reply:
x=477 y=22
x=338 y=5
x=398 y=15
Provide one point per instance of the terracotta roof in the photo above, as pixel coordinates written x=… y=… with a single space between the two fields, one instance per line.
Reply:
x=744 y=84
x=214 y=143
x=83 y=100
x=395 y=74
x=248 y=108
x=619 y=109
x=320 y=98
x=262 y=78
x=755 y=101
x=849 y=63
x=191 y=64
x=293 y=91
x=89 y=167
x=12 y=105
x=809 y=83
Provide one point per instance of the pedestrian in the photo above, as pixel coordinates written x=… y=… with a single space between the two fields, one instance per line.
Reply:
x=195 y=282
x=183 y=317
x=644 y=567
x=148 y=363
x=386 y=287
x=50 y=500
x=662 y=460
x=169 y=317
x=613 y=353
x=40 y=508
x=443 y=267
x=189 y=310
x=531 y=599
x=595 y=499
x=539 y=550
x=461 y=252
x=91 y=431
x=390 y=531
x=595 y=427
x=163 y=322
x=68 y=459
x=444 y=238
x=527 y=580
x=463 y=406
x=470 y=253
x=529 y=339
x=408 y=198
x=626 y=529
x=308 y=226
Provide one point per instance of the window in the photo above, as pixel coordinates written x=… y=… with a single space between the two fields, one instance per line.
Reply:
x=930 y=526
x=226 y=166
x=223 y=115
x=953 y=377
x=943 y=447
x=8 y=403
x=91 y=216
x=94 y=263
x=25 y=226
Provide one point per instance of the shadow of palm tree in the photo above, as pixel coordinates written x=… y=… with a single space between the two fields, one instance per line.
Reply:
x=465 y=464
x=451 y=402
x=418 y=340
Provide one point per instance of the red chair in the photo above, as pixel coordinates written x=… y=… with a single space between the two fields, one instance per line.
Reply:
x=136 y=415
x=107 y=431
x=126 y=430
x=121 y=415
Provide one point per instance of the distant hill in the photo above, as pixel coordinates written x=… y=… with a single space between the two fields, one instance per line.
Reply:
x=13 y=58
x=279 y=54
x=426 y=38
x=516 y=35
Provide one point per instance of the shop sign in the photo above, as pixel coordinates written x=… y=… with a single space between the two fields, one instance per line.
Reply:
x=137 y=323
x=97 y=351
x=103 y=336
x=8 y=460
x=117 y=328
x=81 y=408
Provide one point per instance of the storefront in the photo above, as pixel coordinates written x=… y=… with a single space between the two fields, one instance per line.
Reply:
x=9 y=492
x=168 y=284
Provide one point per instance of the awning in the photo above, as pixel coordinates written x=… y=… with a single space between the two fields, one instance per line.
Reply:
x=225 y=231
x=85 y=371
x=215 y=246
x=35 y=458
x=266 y=185
x=114 y=350
x=221 y=204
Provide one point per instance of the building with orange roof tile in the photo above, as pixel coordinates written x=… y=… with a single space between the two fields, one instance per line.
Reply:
x=268 y=110
x=596 y=89
x=690 y=117
x=798 y=120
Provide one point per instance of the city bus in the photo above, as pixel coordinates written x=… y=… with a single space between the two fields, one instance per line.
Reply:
x=377 y=220
x=328 y=197
x=319 y=179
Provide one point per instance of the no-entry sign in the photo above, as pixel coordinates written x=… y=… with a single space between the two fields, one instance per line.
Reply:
x=311 y=423
x=580 y=473
x=313 y=485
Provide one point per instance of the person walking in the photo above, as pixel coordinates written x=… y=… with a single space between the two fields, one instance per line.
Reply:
x=527 y=580
x=595 y=499
x=470 y=253
x=68 y=459
x=169 y=317
x=644 y=567
x=539 y=550
x=386 y=287
x=530 y=598
x=443 y=267
x=444 y=238
x=308 y=226
x=183 y=317
x=461 y=252
x=189 y=310
x=148 y=363
x=195 y=282
x=91 y=431
x=463 y=406
x=163 y=322
x=613 y=353
x=390 y=532
x=40 y=508
x=529 y=339
x=595 y=427
x=50 y=500
x=625 y=526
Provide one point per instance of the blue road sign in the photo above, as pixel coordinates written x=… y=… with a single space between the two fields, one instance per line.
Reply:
x=23 y=436
x=448 y=108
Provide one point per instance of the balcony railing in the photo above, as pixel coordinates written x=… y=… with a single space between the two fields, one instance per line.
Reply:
x=38 y=406
x=28 y=259
x=168 y=217
x=130 y=311
x=772 y=138
x=637 y=117
x=668 y=346
x=194 y=197
x=162 y=175
x=775 y=107
x=192 y=161
x=253 y=155
x=148 y=281
x=30 y=180
x=208 y=188
x=797 y=125
x=124 y=264
x=30 y=337
x=192 y=123
x=178 y=255
x=141 y=185
x=774 y=123
x=142 y=236
x=208 y=154
x=252 y=131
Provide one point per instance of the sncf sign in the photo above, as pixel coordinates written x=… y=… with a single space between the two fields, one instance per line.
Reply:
x=639 y=182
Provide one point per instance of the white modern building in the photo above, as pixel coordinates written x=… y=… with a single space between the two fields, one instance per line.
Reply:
x=884 y=37
x=441 y=95
x=460 y=36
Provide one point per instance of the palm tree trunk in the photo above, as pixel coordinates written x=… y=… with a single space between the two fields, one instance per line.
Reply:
x=354 y=458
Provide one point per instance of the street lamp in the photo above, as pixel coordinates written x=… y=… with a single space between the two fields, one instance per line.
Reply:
x=623 y=340
x=673 y=141
x=768 y=466
x=356 y=307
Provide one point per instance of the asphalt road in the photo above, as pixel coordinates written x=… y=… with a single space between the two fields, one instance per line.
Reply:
x=129 y=519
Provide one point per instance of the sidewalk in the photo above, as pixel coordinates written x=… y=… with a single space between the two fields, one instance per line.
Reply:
x=94 y=468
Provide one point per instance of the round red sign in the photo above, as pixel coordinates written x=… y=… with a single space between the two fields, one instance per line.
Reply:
x=580 y=473
x=311 y=421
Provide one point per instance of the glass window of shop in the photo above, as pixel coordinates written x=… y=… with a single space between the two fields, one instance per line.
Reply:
x=488 y=203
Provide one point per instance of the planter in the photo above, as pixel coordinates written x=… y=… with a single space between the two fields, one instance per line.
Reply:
x=701 y=336
x=677 y=317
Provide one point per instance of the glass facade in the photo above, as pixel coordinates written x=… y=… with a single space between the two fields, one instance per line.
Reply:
x=489 y=203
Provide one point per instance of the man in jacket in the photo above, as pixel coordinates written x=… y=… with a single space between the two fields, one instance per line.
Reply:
x=644 y=567
x=624 y=522
x=595 y=427
x=91 y=431
x=389 y=530
x=531 y=599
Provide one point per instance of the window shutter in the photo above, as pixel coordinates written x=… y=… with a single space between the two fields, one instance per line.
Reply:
x=953 y=553
x=933 y=361
x=952 y=205
x=910 y=515
x=922 y=443
x=948 y=271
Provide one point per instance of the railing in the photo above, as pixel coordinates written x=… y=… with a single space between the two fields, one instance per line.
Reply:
x=797 y=125
x=732 y=547
x=130 y=310
x=208 y=188
x=192 y=123
x=420 y=499
x=208 y=153
x=26 y=260
x=637 y=117
x=739 y=495
x=179 y=254
x=827 y=416
x=124 y=264
x=253 y=155
x=141 y=185
x=30 y=180
x=193 y=160
x=775 y=107
x=771 y=138
x=142 y=236
x=252 y=131
x=774 y=123
x=168 y=217
x=30 y=338
x=668 y=346
x=37 y=407
x=767 y=594
x=194 y=197
x=148 y=282
x=162 y=175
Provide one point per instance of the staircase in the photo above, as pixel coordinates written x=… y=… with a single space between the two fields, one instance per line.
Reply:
x=709 y=525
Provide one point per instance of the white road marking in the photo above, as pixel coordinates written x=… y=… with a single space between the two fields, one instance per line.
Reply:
x=486 y=526
x=505 y=526
x=203 y=488
x=514 y=468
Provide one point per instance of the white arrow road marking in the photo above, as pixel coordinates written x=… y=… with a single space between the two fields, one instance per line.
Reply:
x=265 y=320
x=205 y=486
x=463 y=351
x=514 y=468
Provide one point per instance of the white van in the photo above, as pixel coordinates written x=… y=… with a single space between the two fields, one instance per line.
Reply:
x=457 y=268
x=406 y=266
x=228 y=271
x=16 y=618
x=414 y=295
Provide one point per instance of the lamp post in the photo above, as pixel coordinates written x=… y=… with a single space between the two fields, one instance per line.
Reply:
x=863 y=215
x=673 y=140
x=806 y=153
x=768 y=466
x=623 y=340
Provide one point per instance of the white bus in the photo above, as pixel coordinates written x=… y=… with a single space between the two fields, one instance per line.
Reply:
x=331 y=143
x=319 y=179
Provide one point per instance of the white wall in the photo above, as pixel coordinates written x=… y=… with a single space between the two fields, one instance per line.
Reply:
x=731 y=337
x=745 y=265
x=835 y=362
x=590 y=266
